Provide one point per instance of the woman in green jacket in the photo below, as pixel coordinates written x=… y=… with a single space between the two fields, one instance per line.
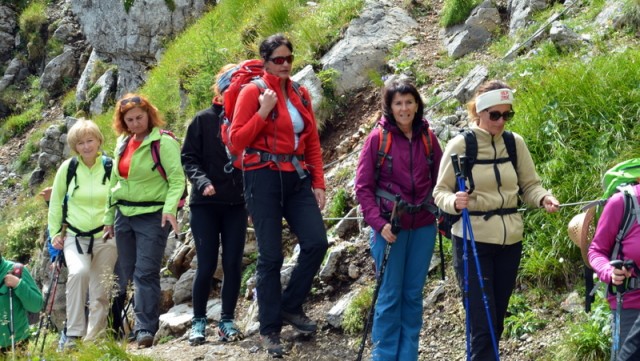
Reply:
x=25 y=297
x=143 y=205
x=77 y=202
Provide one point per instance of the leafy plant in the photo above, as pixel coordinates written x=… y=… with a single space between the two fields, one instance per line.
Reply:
x=356 y=313
x=522 y=319
x=249 y=271
x=589 y=337
x=456 y=11
x=338 y=205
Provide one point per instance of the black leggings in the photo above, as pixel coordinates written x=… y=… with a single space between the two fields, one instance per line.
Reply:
x=499 y=265
x=212 y=225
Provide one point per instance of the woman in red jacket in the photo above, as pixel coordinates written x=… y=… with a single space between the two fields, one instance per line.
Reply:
x=283 y=177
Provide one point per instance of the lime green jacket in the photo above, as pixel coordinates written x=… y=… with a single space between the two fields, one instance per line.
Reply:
x=87 y=197
x=146 y=184
x=26 y=297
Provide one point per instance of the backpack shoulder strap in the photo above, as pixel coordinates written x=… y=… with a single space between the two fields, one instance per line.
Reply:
x=71 y=173
x=155 y=155
x=510 y=144
x=296 y=88
x=107 y=163
x=384 y=145
x=471 y=146
x=260 y=83
x=428 y=144
x=630 y=213
x=71 y=170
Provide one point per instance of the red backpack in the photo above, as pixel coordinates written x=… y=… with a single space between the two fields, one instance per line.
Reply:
x=230 y=84
x=157 y=165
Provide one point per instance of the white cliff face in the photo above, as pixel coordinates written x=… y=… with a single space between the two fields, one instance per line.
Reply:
x=132 y=40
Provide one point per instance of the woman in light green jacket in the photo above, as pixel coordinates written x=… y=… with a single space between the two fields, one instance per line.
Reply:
x=143 y=202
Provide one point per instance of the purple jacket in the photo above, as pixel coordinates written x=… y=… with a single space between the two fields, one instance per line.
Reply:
x=604 y=240
x=407 y=173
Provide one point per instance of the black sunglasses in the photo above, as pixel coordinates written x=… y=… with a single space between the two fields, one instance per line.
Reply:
x=134 y=100
x=279 y=60
x=495 y=115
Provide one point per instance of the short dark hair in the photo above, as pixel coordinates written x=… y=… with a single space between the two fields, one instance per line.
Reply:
x=270 y=44
x=401 y=86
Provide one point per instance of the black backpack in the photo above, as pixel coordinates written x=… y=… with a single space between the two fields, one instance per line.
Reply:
x=446 y=220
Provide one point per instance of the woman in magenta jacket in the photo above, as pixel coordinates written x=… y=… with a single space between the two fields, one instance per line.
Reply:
x=410 y=171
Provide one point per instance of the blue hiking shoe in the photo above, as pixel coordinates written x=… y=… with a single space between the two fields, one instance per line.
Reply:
x=198 y=332
x=144 y=339
x=228 y=331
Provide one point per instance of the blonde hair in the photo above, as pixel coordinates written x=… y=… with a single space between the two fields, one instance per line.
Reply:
x=483 y=88
x=217 y=96
x=130 y=101
x=81 y=129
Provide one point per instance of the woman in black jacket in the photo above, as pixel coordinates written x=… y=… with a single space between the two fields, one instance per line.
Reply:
x=218 y=215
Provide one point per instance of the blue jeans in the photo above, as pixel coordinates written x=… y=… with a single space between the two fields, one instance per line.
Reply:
x=211 y=225
x=141 y=243
x=398 y=311
x=270 y=196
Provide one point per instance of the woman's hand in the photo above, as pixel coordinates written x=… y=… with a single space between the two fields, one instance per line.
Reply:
x=268 y=101
x=320 y=197
x=11 y=281
x=209 y=190
x=387 y=234
x=618 y=275
x=550 y=204
x=57 y=242
x=107 y=233
x=172 y=220
x=462 y=201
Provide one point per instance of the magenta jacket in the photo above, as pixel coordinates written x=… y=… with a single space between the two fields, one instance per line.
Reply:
x=410 y=176
x=604 y=241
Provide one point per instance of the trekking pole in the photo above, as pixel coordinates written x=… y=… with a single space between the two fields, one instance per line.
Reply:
x=619 y=291
x=395 y=229
x=49 y=298
x=465 y=260
x=466 y=224
x=17 y=271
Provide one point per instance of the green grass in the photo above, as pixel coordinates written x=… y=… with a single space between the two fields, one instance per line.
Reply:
x=456 y=11
x=356 y=313
x=17 y=124
x=231 y=33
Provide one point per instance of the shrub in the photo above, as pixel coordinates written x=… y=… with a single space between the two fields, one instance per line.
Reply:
x=589 y=338
x=456 y=11
x=249 y=271
x=69 y=106
x=356 y=313
x=18 y=124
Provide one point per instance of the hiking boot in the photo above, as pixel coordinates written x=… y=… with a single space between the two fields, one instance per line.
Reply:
x=198 y=331
x=144 y=339
x=67 y=343
x=271 y=343
x=300 y=322
x=228 y=331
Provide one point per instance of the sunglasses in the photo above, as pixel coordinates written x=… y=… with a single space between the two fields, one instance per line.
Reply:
x=495 y=115
x=134 y=100
x=279 y=60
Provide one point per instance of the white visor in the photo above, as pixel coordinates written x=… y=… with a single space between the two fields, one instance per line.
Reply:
x=493 y=97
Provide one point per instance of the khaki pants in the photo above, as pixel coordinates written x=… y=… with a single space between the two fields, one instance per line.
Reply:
x=89 y=275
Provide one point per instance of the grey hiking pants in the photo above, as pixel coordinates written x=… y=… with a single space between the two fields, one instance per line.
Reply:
x=141 y=243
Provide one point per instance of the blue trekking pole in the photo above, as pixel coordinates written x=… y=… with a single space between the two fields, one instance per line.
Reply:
x=462 y=173
x=465 y=259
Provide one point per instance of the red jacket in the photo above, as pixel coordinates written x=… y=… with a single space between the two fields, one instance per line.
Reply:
x=249 y=130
